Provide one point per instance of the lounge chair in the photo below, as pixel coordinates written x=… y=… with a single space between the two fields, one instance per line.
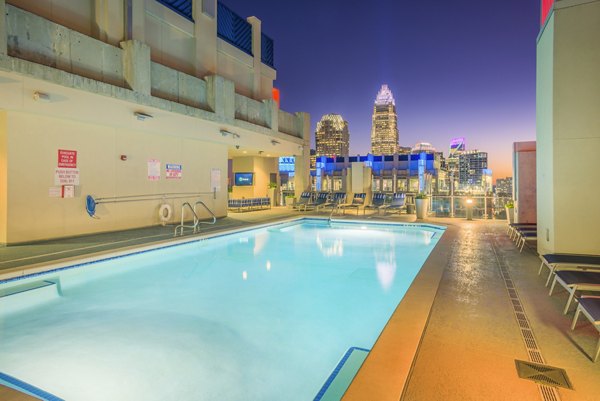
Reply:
x=320 y=200
x=524 y=236
x=377 y=202
x=398 y=203
x=337 y=199
x=305 y=198
x=513 y=226
x=358 y=200
x=574 y=281
x=514 y=234
x=564 y=261
x=590 y=306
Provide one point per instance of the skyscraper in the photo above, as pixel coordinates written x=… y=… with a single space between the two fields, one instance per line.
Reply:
x=384 y=133
x=472 y=166
x=332 y=137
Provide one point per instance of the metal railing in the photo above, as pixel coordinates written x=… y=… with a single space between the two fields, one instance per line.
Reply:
x=196 y=219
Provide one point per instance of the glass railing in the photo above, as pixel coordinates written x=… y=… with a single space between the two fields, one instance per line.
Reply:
x=483 y=207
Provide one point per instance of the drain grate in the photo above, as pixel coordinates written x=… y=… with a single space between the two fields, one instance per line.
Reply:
x=543 y=374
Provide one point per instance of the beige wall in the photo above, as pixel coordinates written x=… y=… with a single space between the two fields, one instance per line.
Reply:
x=3 y=178
x=524 y=182
x=76 y=15
x=262 y=167
x=569 y=129
x=33 y=142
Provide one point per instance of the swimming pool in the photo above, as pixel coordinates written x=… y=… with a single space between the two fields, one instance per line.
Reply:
x=258 y=315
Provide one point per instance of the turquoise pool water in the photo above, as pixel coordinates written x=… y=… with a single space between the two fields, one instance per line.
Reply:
x=260 y=315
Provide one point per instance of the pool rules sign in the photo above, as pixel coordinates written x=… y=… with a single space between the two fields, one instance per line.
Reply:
x=66 y=172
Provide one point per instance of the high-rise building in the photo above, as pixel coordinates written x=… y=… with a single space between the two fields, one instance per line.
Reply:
x=332 y=137
x=384 y=132
x=472 y=170
x=504 y=187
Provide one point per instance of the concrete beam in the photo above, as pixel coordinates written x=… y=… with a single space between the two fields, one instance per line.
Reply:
x=272 y=114
x=137 y=66
x=302 y=161
x=109 y=21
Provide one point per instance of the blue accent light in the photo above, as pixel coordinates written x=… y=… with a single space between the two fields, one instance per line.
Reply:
x=234 y=29
x=181 y=7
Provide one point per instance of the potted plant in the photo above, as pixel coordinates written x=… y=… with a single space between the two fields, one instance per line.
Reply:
x=510 y=211
x=422 y=202
x=271 y=192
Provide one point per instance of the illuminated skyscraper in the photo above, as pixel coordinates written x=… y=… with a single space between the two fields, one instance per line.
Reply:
x=332 y=137
x=384 y=133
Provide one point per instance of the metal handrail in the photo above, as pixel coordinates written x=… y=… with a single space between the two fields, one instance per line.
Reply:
x=208 y=210
x=197 y=221
x=182 y=225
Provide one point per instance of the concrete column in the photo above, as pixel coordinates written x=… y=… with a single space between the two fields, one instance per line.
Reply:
x=109 y=21
x=135 y=20
x=272 y=114
x=205 y=35
x=136 y=66
x=3 y=172
x=220 y=95
x=3 y=27
x=257 y=53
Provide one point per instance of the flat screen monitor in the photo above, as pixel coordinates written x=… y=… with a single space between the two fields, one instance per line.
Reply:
x=244 y=179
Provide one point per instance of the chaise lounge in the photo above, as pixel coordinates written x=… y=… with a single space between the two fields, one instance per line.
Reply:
x=590 y=307
x=573 y=281
x=564 y=261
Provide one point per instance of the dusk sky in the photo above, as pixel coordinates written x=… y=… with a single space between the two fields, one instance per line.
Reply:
x=461 y=68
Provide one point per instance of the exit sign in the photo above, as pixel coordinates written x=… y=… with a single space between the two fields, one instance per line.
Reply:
x=546 y=7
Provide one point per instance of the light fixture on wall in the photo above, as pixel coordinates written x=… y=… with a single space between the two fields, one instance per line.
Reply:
x=141 y=116
x=260 y=152
x=41 y=97
x=274 y=142
x=225 y=133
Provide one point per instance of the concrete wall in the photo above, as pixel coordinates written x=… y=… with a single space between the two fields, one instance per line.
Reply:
x=262 y=167
x=76 y=15
x=568 y=134
x=524 y=182
x=32 y=145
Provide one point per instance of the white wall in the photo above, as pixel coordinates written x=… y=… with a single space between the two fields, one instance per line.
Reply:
x=33 y=142
x=568 y=130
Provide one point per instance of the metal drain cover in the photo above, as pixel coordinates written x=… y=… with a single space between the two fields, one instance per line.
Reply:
x=543 y=374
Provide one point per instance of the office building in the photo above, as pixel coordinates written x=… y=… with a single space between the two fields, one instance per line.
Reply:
x=332 y=137
x=384 y=131
x=473 y=172
x=504 y=187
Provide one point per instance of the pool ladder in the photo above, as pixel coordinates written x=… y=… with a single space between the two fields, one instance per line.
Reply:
x=197 y=221
x=334 y=207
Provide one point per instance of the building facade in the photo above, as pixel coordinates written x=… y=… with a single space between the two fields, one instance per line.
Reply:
x=473 y=173
x=147 y=98
x=332 y=137
x=504 y=187
x=384 y=131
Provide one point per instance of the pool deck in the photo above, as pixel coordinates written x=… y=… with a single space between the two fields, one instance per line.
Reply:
x=469 y=337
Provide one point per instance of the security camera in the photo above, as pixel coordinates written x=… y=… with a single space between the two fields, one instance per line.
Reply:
x=237 y=146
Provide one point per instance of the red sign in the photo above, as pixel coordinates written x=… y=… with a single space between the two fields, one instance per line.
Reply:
x=546 y=7
x=67 y=158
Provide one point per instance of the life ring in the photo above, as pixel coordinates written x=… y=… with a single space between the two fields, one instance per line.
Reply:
x=165 y=212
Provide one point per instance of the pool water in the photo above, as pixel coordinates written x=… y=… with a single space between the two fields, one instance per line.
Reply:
x=259 y=315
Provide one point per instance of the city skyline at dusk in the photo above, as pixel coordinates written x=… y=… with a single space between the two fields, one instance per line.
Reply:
x=474 y=79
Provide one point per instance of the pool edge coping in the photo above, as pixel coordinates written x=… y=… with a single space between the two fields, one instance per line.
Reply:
x=386 y=371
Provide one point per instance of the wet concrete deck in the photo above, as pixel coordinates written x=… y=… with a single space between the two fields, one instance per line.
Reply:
x=471 y=338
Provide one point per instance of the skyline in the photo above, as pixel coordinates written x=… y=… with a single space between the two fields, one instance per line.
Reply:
x=475 y=79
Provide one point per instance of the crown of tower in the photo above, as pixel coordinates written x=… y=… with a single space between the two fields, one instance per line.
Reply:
x=384 y=96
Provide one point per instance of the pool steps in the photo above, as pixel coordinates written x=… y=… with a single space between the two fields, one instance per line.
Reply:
x=339 y=380
x=19 y=297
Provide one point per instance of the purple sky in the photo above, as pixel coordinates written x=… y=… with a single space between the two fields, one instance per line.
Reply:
x=456 y=68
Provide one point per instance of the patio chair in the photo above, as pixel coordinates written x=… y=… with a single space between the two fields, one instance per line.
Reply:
x=514 y=233
x=337 y=199
x=320 y=200
x=305 y=198
x=524 y=236
x=564 y=261
x=358 y=200
x=513 y=226
x=377 y=201
x=398 y=203
x=590 y=306
x=573 y=281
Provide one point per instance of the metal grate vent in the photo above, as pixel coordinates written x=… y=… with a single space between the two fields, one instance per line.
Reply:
x=543 y=374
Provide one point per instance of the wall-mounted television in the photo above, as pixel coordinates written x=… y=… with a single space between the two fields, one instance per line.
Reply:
x=244 y=179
